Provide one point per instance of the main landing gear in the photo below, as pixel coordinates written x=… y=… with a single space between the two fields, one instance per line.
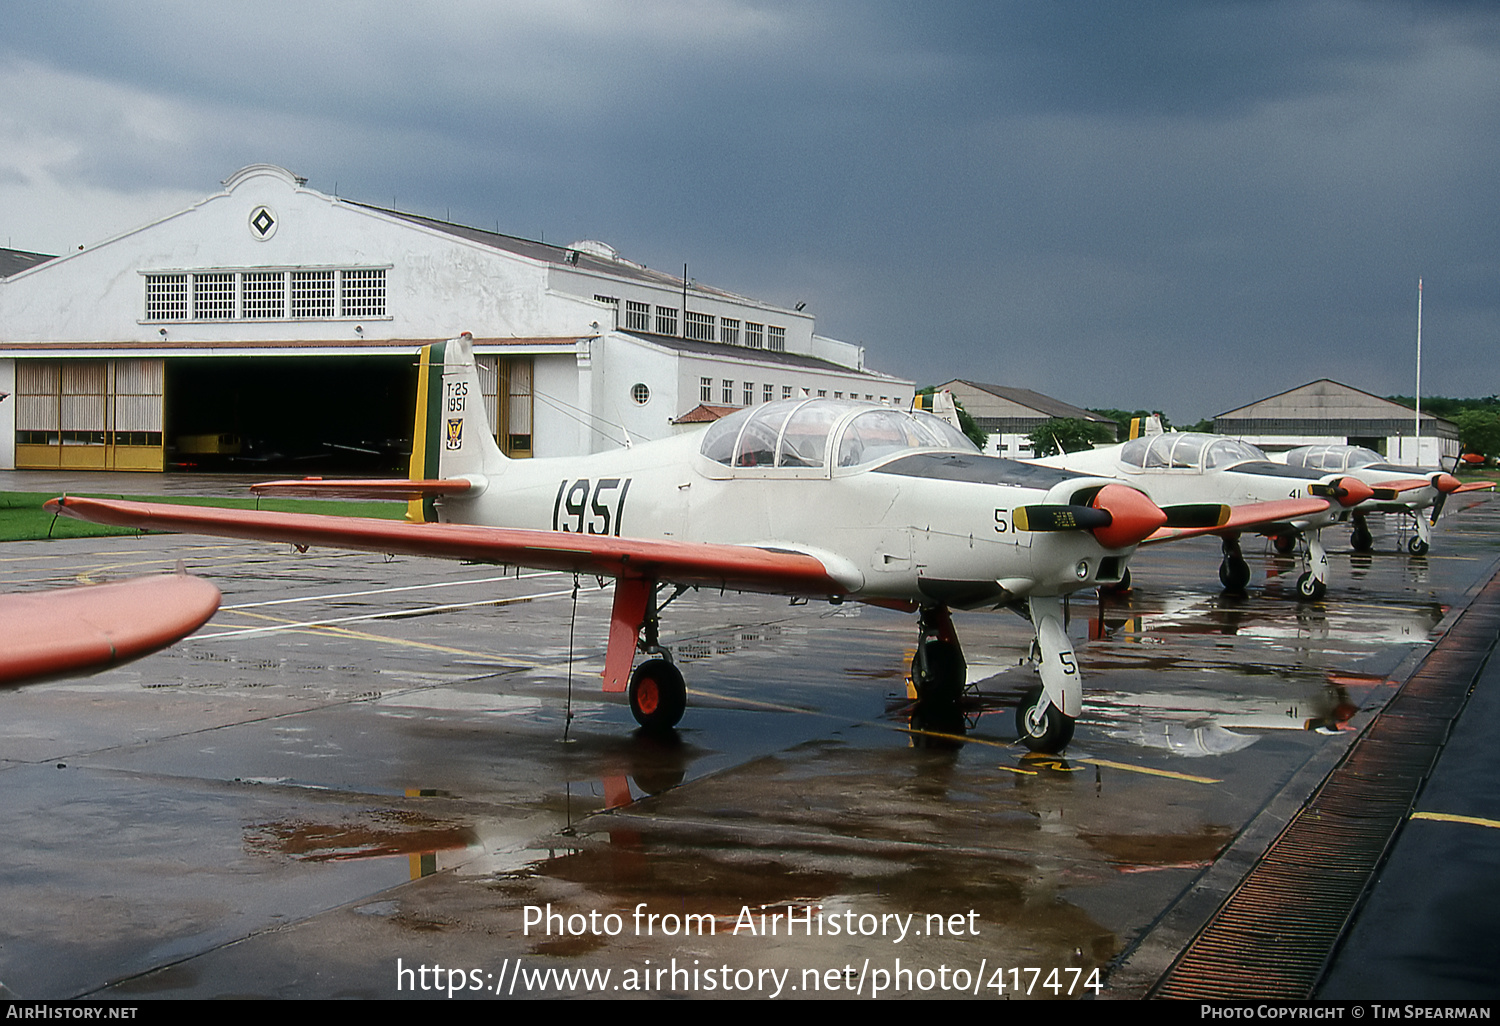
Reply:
x=1045 y=717
x=1360 y=539
x=1234 y=572
x=657 y=692
x=939 y=672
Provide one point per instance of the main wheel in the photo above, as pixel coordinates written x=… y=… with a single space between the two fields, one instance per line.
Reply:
x=1048 y=731
x=1310 y=588
x=658 y=695
x=1417 y=547
x=939 y=672
x=1362 y=540
x=1284 y=543
x=1234 y=574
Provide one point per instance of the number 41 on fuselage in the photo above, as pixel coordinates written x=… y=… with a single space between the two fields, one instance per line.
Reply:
x=815 y=498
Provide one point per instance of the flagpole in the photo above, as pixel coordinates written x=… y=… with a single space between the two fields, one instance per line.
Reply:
x=1419 y=372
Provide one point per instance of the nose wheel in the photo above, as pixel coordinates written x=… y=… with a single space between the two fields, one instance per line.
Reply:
x=1041 y=725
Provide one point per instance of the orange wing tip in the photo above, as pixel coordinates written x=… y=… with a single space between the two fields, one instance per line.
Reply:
x=73 y=631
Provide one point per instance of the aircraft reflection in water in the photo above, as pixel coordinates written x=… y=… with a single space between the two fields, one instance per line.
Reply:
x=816 y=498
x=1407 y=491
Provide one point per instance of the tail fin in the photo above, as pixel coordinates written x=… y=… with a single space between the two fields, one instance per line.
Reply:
x=452 y=436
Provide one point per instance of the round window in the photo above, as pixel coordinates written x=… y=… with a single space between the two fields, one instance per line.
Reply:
x=640 y=393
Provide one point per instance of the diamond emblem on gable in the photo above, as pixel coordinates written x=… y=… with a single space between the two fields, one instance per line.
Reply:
x=262 y=223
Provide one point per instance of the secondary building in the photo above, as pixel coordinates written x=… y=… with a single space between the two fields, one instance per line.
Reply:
x=271 y=325
x=1327 y=411
x=1011 y=414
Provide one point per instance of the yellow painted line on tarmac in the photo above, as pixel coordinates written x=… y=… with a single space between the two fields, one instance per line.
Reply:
x=313 y=628
x=1169 y=774
x=1445 y=817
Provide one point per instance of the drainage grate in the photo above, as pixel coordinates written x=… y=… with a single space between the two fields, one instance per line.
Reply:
x=1275 y=934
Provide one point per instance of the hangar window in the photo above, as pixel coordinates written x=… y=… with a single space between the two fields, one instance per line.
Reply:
x=666 y=320
x=213 y=296
x=312 y=293
x=220 y=295
x=776 y=339
x=729 y=331
x=706 y=389
x=263 y=295
x=640 y=393
x=166 y=297
x=755 y=335
x=698 y=326
x=362 y=292
x=637 y=316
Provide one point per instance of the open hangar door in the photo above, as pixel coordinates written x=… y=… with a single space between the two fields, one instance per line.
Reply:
x=296 y=414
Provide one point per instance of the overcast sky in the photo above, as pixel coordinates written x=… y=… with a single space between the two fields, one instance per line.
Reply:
x=1177 y=205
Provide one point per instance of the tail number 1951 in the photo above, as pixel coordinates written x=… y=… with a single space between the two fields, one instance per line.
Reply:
x=582 y=507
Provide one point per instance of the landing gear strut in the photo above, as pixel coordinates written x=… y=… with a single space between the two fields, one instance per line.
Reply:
x=938 y=670
x=657 y=693
x=1234 y=572
x=1419 y=545
x=1361 y=539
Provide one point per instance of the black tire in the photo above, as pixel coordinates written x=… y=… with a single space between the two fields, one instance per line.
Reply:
x=1284 y=544
x=1050 y=732
x=658 y=695
x=939 y=673
x=1417 y=547
x=1310 y=588
x=1362 y=541
x=1234 y=574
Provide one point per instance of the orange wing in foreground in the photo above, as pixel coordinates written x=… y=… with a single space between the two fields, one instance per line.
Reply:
x=72 y=631
x=1248 y=517
x=737 y=567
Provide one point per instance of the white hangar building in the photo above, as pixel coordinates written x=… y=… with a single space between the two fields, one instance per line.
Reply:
x=271 y=322
x=1327 y=411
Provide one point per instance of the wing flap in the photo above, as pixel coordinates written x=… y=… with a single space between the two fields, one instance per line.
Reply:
x=71 y=631
x=364 y=488
x=736 y=567
x=1248 y=517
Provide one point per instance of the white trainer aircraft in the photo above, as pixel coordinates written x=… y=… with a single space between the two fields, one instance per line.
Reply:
x=818 y=498
x=1187 y=467
x=1398 y=489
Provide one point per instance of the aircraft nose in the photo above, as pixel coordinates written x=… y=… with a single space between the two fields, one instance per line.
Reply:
x=1133 y=517
x=1351 y=491
x=1445 y=483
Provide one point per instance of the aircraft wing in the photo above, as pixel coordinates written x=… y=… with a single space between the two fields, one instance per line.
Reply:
x=367 y=488
x=1476 y=486
x=1248 y=517
x=71 y=631
x=736 y=567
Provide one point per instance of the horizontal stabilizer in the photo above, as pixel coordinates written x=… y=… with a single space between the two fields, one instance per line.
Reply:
x=370 y=488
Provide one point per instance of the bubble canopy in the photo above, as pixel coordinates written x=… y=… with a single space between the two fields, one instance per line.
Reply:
x=1333 y=456
x=1187 y=450
x=822 y=433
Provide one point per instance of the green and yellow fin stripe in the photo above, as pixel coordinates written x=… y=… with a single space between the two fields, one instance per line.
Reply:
x=428 y=430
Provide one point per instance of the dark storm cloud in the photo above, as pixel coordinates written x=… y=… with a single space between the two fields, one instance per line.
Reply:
x=1189 y=205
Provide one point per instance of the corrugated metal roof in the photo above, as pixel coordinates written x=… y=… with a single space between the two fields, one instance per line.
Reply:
x=14 y=261
x=1324 y=399
x=1043 y=405
x=563 y=256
